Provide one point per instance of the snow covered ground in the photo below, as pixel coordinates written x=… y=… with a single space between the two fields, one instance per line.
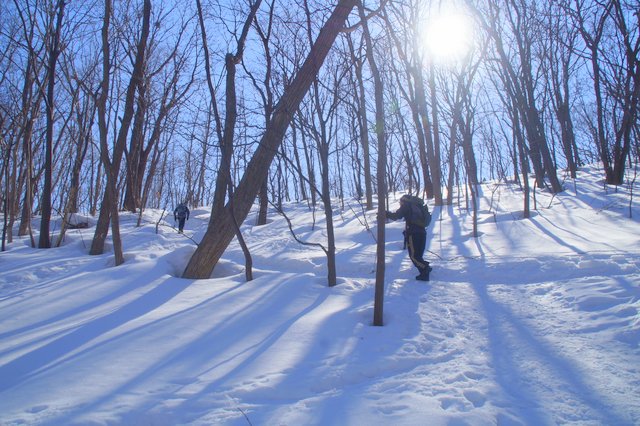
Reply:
x=536 y=322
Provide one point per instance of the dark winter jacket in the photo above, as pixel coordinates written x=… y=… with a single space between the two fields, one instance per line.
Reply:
x=182 y=211
x=404 y=212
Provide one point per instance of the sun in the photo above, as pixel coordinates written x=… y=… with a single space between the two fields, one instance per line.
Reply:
x=447 y=37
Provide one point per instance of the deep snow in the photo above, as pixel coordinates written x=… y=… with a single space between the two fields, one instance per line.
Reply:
x=535 y=322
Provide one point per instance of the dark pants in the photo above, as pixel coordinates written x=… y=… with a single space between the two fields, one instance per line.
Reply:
x=181 y=224
x=415 y=246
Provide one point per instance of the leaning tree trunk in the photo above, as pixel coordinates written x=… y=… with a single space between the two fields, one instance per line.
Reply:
x=220 y=233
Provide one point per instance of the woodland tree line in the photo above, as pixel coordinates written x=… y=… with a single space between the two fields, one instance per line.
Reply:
x=109 y=106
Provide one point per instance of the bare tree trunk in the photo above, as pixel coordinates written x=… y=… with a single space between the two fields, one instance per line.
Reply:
x=138 y=156
x=45 y=239
x=296 y=155
x=133 y=180
x=310 y=167
x=323 y=143
x=518 y=136
x=592 y=38
x=224 y=183
x=219 y=234
x=473 y=188
x=95 y=182
x=102 y=226
x=30 y=106
x=453 y=136
x=560 y=50
x=7 y=182
x=267 y=98
x=263 y=204
x=109 y=208
x=378 y=307
x=200 y=198
x=630 y=91
x=436 y=161
x=332 y=275
x=220 y=189
x=109 y=196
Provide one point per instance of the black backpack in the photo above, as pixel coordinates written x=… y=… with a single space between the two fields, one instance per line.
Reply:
x=181 y=211
x=420 y=215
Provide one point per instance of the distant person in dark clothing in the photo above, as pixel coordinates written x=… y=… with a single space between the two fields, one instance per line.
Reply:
x=180 y=214
x=417 y=218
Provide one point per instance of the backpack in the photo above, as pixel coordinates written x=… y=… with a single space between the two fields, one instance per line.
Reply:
x=181 y=211
x=420 y=215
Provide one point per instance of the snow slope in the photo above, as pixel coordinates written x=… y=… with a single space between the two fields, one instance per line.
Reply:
x=536 y=322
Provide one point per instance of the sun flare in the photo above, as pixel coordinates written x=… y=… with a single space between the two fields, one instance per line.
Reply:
x=448 y=37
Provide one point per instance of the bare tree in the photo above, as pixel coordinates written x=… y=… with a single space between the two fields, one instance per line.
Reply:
x=80 y=136
x=265 y=91
x=592 y=38
x=516 y=60
x=378 y=308
x=54 y=52
x=174 y=82
x=559 y=53
x=610 y=31
x=219 y=234
x=362 y=122
x=29 y=112
x=629 y=84
x=109 y=208
x=425 y=118
x=324 y=105
x=7 y=149
x=224 y=184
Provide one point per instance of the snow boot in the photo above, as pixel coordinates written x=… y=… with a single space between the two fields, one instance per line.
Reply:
x=424 y=274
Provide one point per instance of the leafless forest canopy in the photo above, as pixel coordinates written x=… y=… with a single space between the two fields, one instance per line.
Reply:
x=125 y=105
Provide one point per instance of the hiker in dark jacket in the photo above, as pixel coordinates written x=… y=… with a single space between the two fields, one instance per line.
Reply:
x=180 y=214
x=415 y=233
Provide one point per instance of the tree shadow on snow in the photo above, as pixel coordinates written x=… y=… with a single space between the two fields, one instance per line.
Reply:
x=46 y=357
x=513 y=371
